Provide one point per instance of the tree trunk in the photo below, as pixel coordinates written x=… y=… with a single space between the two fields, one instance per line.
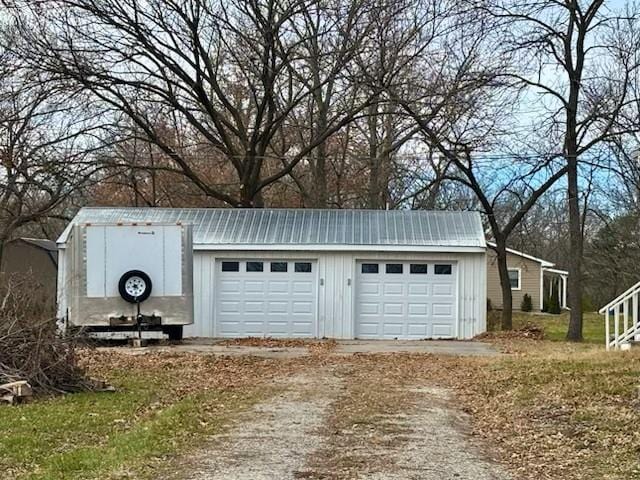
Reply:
x=251 y=195
x=385 y=162
x=574 y=290
x=250 y=198
x=2 y=242
x=319 y=164
x=373 y=197
x=432 y=195
x=134 y=184
x=374 y=161
x=319 y=187
x=505 y=285
x=154 y=193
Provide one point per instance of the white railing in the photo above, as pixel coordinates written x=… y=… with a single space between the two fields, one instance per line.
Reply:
x=623 y=311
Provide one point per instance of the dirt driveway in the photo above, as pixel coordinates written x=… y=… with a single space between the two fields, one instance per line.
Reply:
x=347 y=417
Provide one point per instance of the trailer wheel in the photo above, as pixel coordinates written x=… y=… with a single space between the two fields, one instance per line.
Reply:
x=134 y=286
x=174 y=332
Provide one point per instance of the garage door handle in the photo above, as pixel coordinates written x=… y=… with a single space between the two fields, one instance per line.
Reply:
x=349 y=281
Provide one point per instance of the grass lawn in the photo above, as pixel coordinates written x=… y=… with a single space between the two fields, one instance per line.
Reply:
x=160 y=407
x=556 y=410
x=555 y=326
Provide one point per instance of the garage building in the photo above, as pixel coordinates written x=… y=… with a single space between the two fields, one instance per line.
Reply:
x=323 y=273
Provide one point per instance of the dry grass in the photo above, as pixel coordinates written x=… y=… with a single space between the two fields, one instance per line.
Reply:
x=555 y=326
x=163 y=405
x=555 y=411
x=548 y=409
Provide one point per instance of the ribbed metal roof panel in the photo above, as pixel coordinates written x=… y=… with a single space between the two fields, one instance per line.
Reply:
x=226 y=226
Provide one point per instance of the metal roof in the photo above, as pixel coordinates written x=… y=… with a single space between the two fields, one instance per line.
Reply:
x=544 y=263
x=42 y=243
x=227 y=226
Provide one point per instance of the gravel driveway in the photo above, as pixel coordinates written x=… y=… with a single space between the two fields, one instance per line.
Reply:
x=273 y=440
x=315 y=427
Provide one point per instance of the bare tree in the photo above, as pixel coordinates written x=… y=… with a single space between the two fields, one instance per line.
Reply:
x=380 y=128
x=506 y=189
x=330 y=36
x=465 y=113
x=46 y=149
x=227 y=73
x=580 y=59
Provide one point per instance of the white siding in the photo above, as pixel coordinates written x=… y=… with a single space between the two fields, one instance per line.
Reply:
x=472 y=285
x=203 y=267
x=336 y=275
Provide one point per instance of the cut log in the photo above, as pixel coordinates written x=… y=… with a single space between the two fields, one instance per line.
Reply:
x=101 y=386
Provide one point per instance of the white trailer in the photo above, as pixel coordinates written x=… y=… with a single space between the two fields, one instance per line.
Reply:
x=118 y=278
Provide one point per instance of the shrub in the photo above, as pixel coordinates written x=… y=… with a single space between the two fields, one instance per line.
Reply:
x=554 y=304
x=527 y=304
x=489 y=305
x=494 y=321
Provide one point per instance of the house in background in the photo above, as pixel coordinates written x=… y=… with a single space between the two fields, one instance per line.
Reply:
x=34 y=260
x=528 y=275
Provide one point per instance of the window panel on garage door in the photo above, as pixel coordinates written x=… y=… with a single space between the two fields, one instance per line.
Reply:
x=265 y=298
x=417 y=300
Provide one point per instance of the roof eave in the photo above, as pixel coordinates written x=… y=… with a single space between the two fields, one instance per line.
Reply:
x=543 y=263
x=555 y=270
x=342 y=248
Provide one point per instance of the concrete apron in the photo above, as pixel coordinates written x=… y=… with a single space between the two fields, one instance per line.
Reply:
x=344 y=347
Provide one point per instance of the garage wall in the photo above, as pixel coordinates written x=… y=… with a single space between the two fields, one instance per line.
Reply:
x=336 y=274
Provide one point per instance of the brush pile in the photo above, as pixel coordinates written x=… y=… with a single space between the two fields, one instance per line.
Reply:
x=31 y=349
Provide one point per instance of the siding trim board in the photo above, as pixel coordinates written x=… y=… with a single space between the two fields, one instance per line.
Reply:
x=541 y=290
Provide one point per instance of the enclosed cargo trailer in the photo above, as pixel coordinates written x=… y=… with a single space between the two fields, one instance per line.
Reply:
x=125 y=277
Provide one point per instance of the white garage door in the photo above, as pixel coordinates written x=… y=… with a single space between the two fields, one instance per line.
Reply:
x=275 y=298
x=406 y=300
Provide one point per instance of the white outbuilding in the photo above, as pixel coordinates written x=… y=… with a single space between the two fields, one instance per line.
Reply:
x=314 y=273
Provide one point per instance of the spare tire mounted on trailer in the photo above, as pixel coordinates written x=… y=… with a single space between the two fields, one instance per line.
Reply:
x=135 y=286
